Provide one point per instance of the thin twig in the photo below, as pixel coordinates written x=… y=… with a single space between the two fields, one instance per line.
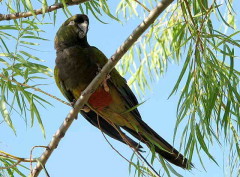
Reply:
x=141 y=4
x=31 y=152
x=6 y=155
x=34 y=88
x=98 y=80
x=190 y=13
x=135 y=150
x=124 y=137
x=11 y=166
x=128 y=143
x=99 y=126
x=39 y=11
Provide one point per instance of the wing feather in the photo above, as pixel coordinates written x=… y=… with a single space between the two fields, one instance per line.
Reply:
x=91 y=116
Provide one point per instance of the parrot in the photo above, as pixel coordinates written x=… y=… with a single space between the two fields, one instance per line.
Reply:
x=113 y=106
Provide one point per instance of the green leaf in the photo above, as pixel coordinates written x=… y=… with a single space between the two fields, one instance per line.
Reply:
x=30 y=7
x=186 y=63
x=132 y=108
x=29 y=43
x=31 y=56
x=202 y=143
x=5 y=113
x=162 y=161
x=173 y=171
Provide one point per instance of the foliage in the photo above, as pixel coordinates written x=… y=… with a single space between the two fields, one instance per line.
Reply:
x=202 y=36
x=210 y=75
x=19 y=65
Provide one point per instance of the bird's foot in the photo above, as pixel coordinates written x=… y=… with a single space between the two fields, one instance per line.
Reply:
x=105 y=86
x=73 y=102
x=99 y=68
x=85 y=109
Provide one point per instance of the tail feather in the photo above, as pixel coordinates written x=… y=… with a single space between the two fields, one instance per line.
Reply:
x=161 y=146
x=108 y=129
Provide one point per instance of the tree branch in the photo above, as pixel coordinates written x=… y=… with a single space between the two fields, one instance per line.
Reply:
x=98 y=80
x=39 y=11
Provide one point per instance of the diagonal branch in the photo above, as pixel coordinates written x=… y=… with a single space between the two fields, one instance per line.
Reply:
x=39 y=11
x=98 y=80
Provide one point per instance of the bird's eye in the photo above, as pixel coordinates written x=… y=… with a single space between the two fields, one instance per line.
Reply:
x=71 y=23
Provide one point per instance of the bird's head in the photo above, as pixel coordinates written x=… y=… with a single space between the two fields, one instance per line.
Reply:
x=73 y=31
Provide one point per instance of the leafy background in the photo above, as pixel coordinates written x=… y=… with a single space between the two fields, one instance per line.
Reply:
x=191 y=53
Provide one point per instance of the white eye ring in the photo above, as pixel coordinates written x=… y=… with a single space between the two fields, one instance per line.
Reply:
x=71 y=23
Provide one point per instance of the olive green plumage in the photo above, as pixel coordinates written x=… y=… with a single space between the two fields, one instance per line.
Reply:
x=77 y=63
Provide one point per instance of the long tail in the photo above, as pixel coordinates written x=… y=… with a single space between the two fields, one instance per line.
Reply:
x=108 y=129
x=162 y=147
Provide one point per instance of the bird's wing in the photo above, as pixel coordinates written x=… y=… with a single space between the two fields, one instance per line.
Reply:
x=119 y=83
x=143 y=132
x=66 y=93
x=92 y=117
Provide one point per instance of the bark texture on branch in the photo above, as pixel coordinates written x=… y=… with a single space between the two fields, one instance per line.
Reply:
x=39 y=11
x=98 y=80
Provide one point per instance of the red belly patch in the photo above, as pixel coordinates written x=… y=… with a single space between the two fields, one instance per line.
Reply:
x=100 y=99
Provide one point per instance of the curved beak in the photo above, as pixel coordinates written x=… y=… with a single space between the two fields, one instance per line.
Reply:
x=83 y=29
